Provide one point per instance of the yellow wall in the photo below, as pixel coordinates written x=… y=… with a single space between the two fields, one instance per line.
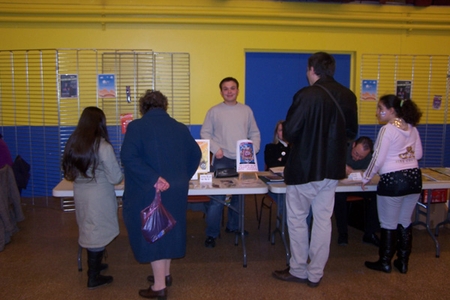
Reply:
x=217 y=34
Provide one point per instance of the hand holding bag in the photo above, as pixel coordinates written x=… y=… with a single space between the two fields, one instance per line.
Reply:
x=156 y=220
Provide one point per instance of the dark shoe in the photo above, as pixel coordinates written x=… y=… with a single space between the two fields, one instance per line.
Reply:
x=236 y=231
x=379 y=266
x=150 y=293
x=151 y=278
x=401 y=267
x=96 y=280
x=343 y=239
x=386 y=251
x=313 y=284
x=286 y=276
x=371 y=239
x=103 y=267
x=210 y=242
x=404 y=245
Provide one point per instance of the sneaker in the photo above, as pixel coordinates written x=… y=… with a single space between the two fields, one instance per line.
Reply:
x=343 y=239
x=210 y=242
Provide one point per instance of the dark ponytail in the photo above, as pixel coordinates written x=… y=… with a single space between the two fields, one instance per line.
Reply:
x=405 y=109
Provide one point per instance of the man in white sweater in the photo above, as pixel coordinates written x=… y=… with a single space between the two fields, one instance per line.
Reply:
x=224 y=125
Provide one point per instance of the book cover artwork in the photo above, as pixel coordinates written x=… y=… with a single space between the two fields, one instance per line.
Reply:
x=205 y=163
x=246 y=157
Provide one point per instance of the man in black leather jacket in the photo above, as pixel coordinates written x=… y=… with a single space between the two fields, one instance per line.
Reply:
x=320 y=122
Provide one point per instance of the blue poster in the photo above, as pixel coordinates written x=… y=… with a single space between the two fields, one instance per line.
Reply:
x=369 y=90
x=106 y=85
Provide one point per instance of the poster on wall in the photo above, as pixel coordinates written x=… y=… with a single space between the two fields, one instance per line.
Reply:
x=437 y=101
x=125 y=119
x=106 y=85
x=246 y=157
x=369 y=90
x=404 y=89
x=68 y=86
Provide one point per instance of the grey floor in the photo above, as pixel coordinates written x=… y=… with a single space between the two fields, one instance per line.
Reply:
x=40 y=263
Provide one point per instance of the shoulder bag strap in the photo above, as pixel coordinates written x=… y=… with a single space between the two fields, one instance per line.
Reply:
x=334 y=99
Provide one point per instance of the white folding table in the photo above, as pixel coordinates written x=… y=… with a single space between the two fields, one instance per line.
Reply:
x=431 y=181
x=223 y=186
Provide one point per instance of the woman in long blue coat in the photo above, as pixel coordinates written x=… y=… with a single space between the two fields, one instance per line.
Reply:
x=158 y=153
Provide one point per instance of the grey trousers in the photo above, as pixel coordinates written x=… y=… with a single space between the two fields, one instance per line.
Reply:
x=318 y=195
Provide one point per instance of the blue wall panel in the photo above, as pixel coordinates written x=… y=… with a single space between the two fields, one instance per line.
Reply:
x=272 y=79
x=39 y=146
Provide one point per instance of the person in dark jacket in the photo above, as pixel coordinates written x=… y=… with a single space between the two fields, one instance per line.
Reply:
x=359 y=154
x=276 y=153
x=158 y=153
x=320 y=122
x=5 y=154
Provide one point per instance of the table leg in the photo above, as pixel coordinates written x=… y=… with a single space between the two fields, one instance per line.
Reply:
x=242 y=227
x=446 y=221
x=426 y=206
x=281 y=225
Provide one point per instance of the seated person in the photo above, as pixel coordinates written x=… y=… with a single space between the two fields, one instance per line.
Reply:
x=276 y=153
x=5 y=155
x=359 y=155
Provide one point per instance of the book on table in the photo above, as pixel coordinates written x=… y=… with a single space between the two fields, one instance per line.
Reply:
x=276 y=174
x=274 y=177
x=278 y=171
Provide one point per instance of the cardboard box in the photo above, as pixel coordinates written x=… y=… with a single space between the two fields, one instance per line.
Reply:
x=437 y=196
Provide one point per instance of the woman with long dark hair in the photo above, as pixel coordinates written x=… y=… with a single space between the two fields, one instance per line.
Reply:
x=397 y=150
x=90 y=162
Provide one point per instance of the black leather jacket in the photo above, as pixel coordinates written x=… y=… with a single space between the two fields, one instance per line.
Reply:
x=318 y=133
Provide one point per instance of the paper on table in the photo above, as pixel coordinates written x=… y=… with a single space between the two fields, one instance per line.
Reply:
x=355 y=176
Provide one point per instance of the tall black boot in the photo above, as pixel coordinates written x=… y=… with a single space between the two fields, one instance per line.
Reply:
x=404 y=245
x=95 y=266
x=386 y=251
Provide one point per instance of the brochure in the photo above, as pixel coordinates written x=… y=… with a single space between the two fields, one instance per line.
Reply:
x=246 y=157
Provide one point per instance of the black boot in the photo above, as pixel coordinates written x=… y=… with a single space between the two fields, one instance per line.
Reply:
x=404 y=245
x=95 y=265
x=386 y=251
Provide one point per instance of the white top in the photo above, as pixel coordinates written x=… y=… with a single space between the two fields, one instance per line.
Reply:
x=225 y=124
x=395 y=150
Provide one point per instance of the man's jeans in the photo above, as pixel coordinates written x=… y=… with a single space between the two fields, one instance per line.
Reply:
x=214 y=208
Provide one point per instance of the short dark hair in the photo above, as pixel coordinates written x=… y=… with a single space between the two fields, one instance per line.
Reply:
x=151 y=100
x=323 y=63
x=366 y=142
x=226 y=79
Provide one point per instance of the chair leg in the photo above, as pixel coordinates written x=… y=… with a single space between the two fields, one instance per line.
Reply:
x=260 y=212
x=258 y=215
x=270 y=219
x=80 y=251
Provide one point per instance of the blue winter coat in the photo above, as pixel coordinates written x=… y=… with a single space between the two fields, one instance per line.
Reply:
x=157 y=145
